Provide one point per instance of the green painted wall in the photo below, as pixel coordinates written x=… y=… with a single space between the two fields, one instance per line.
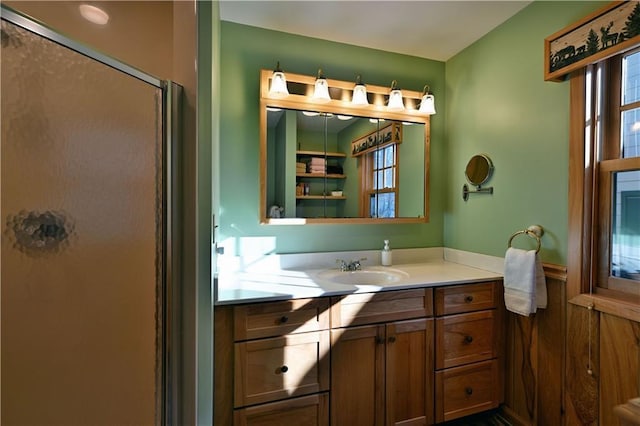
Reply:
x=494 y=99
x=244 y=51
x=499 y=104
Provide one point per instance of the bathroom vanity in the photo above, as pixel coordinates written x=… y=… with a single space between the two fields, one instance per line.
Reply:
x=424 y=349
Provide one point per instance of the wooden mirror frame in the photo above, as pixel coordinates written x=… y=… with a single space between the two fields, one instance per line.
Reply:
x=301 y=100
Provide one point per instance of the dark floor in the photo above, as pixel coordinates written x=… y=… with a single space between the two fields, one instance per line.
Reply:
x=490 y=418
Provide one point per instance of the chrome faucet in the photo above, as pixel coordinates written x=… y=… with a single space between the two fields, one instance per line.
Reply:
x=354 y=265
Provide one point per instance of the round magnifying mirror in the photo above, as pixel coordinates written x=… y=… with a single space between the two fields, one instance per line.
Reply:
x=479 y=169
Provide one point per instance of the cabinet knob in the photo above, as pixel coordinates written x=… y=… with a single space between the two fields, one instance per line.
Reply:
x=468 y=299
x=468 y=390
x=284 y=369
x=379 y=340
x=392 y=339
x=284 y=319
x=468 y=339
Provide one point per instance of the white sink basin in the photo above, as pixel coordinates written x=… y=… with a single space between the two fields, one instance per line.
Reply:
x=367 y=276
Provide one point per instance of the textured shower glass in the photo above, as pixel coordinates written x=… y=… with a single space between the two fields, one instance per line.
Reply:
x=81 y=262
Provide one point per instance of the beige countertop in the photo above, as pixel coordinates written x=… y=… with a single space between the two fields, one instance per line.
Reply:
x=304 y=281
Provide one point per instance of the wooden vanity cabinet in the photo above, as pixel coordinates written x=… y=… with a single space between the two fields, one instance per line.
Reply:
x=382 y=373
x=468 y=345
x=400 y=357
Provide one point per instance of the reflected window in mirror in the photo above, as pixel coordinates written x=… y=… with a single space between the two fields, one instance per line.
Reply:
x=380 y=177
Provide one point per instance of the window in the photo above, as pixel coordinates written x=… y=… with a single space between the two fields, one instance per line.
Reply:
x=612 y=188
x=380 y=182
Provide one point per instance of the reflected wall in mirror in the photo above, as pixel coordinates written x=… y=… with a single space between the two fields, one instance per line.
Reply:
x=327 y=164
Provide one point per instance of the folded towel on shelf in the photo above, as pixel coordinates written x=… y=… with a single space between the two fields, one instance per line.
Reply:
x=318 y=161
x=301 y=165
x=319 y=169
x=525 y=288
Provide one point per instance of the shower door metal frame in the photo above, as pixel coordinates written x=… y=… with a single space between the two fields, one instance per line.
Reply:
x=169 y=350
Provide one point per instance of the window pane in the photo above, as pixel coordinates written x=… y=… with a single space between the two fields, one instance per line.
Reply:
x=382 y=205
x=389 y=158
x=378 y=181
x=388 y=178
x=631 y=78
x=631 y=133
x=379 y=159
x=625 y=245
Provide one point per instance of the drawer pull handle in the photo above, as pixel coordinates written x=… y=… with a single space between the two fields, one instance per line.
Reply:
x=468 y=391
x=379 y=340
x=468 y=299
x=392 y=339
x=284 y=369
x=468 y=339
x=284 y=319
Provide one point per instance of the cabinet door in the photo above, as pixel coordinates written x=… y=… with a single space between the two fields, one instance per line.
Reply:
x=386 y=306
x=310 y=410
x=409 y=374
x=357 y=376
x=271 y=319
x=466 y=390
x=466 y=298
x=465 y=338
x=281 y=367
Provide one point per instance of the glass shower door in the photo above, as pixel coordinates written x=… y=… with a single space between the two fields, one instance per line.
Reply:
x=82 y=238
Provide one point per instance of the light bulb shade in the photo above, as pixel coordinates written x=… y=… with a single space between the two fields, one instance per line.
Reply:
x=395 y=101
x=321 y=92
x=278 y=84
x=360 y=95
x=427 y=105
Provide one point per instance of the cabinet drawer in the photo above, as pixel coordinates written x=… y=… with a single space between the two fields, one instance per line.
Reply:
x=369 y=308
x=465 y=298
x=279 y=318
x=466 y=390
x=465 y=338
x=281 y=367
x=312 y=410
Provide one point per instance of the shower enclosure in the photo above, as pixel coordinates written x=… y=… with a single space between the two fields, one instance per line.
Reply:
x=87 y=174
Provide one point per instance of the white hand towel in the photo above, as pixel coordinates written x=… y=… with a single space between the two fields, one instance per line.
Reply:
x=525 y=288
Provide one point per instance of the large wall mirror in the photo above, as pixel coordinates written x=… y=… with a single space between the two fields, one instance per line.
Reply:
x=330 y=163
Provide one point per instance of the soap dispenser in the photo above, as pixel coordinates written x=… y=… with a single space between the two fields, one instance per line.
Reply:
x=386 y=254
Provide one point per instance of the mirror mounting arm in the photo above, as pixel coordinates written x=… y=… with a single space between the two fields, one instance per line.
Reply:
x=479 y=190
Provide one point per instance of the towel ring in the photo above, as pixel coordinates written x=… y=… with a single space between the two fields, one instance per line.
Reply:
x=534 y=231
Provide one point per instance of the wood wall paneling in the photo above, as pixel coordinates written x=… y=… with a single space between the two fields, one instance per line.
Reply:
x=581 y=397
x=535 y=359
x=551 y=354
x=618 y=364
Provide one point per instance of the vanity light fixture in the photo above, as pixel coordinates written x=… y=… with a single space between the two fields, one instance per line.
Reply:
x=359 y=93
x=321 y=92
x=94 y=14
x=278 y=83
x=427 y=104
x=395 y=98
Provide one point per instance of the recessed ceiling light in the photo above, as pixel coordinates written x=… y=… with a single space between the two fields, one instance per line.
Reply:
x=94 y=14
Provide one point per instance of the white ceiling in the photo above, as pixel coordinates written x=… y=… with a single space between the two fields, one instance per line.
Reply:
x=428 y=29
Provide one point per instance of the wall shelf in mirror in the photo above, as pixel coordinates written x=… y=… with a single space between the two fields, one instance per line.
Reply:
x=307 y=156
